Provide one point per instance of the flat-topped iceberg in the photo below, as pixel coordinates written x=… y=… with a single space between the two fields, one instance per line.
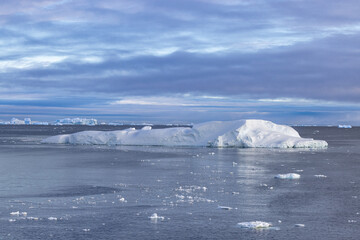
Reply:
x=240 y=133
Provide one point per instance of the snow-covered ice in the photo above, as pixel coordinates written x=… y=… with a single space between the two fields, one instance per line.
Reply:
x=254 y=224
x=240 y=133
x=288 y=176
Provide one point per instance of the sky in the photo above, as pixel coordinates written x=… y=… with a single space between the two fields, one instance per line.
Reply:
x=172 y=61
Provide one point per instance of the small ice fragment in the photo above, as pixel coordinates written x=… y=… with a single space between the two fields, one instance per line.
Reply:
x=234 y=164
x=15 y=213
x=86 y=229
x=288 y=176
x=235 y=193
x=254 y=224
x=155 y=217
x=299 y=225
x=52 y=218
x=279 y=221
x=352 y=221
x=299 y=170
x=211 y=153
x=32 y=218
x=24 y=213
x=320 y=176
x=224 y=207
x=12 y=220
x=122 y=200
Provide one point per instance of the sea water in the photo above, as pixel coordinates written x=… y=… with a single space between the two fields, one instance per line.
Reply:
x=114 y=192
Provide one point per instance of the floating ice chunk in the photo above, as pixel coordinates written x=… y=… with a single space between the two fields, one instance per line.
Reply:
x=32 y=218
x=122 y=199
x=224 y=207
x=86 y=229
x=12 y=220
x=254 y=225
x=320 y=176
x=52 y=218
x=154 y=217
x=146 y=128
x=240 y=133
x=288 y=176
x=299 y=225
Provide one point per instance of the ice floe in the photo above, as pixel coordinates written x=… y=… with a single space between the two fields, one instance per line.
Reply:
x=240 y=133
x=254 y=224
x=288 y=176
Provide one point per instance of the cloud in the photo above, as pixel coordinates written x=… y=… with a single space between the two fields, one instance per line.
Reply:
x=151 y=52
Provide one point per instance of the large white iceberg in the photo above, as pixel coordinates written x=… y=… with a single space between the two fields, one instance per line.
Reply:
x=240 y=133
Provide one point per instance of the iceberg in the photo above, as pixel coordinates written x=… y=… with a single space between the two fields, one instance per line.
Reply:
x=288 y=176
x=76 y=121
x=344 y=126
x=254 y=224
x=15 y=121
x=239 y=134
x=154 y=217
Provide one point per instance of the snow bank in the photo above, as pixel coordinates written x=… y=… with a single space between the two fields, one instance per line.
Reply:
x=241 y=133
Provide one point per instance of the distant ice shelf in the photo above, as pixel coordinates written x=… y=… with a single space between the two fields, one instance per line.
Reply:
x=241 y=134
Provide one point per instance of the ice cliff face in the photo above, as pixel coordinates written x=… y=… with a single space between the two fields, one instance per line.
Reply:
x=241 y=133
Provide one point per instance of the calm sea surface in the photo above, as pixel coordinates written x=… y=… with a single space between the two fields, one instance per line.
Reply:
x=110 y=192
